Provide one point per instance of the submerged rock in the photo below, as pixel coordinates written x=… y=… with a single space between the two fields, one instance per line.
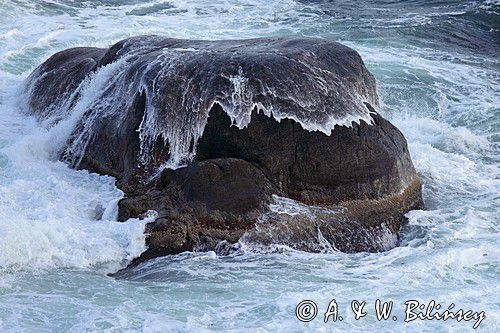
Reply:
x=216 y=135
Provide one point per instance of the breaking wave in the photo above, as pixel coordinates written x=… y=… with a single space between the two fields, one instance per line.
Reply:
x=182 y=80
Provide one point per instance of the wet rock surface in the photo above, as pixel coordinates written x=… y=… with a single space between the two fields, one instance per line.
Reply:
x=267 y=141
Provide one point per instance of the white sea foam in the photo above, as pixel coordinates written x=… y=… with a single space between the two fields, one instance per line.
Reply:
x=50 y=215
x=445 y=102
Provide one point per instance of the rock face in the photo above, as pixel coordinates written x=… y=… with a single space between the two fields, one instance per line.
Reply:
x=267 y=141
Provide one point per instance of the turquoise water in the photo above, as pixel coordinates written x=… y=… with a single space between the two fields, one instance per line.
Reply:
x=437 y=70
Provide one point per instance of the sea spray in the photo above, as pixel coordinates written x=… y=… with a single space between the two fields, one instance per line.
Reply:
x=436 y=69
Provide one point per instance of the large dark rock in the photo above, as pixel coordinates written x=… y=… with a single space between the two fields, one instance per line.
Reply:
x=215 y=136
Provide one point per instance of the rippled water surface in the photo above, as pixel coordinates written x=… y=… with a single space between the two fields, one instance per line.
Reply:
x=437 y=68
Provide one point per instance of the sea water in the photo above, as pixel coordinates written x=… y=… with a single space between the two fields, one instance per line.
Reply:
x=437 y=69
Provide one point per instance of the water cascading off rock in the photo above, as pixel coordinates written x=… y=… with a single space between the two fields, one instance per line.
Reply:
x=263 y=141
